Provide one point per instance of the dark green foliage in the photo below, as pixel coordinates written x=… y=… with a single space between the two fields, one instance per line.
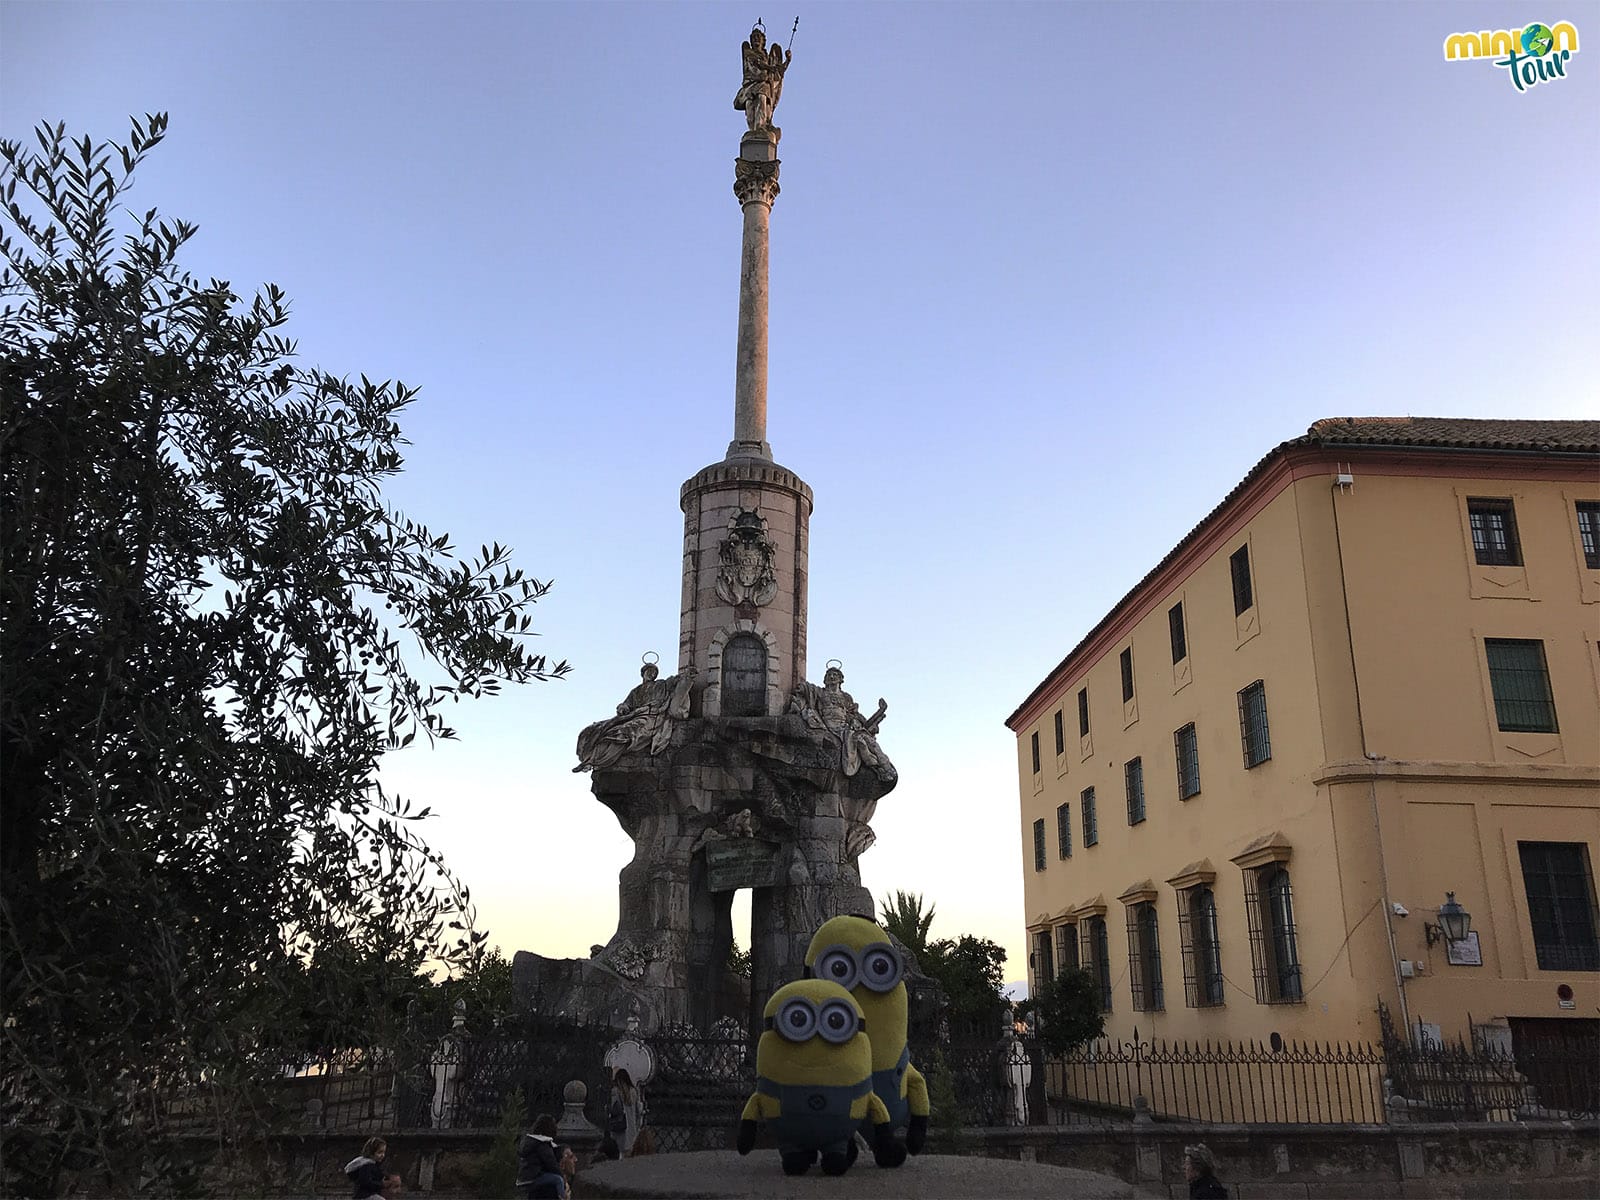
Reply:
x=1067 y=1011
x=495 y=1177
x=905 y=919
x=739 y=961
x=971 y=971
x=946 y=1117
x=203 y=604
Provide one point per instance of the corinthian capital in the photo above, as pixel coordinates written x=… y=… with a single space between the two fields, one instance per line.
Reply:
x=756 y=181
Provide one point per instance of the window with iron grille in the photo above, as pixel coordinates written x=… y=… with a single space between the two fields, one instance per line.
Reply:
x=1096 y=948
x=1133 y=781
x=1180 y=646
x=1066 y=947
x=1494 y=532
x=1083 y=712
x=1038 y=844
x=1144 y=958
x=1061 y=734
x=1589 y=532
x=1126 y=661
x=1044 y=967
x=1187 y=747
x=1202 y=949
x=1253 y=724
x=1521 y=685
x=1239 y=567
x=1035 y=752
x=1274 y=948
x=1064 y=830
x=1561 y=905
x=1091 y=821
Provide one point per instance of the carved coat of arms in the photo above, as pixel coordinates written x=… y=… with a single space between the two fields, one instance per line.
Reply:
x=747 y=575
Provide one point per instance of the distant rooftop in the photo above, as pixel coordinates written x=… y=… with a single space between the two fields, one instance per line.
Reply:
x=1374 y=433
x=1450 y=433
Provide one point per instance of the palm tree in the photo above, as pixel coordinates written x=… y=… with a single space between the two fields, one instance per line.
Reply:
x=907 y=922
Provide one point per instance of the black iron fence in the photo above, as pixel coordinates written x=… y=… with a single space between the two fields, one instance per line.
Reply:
x=464 y=1080
x=1014 y=1082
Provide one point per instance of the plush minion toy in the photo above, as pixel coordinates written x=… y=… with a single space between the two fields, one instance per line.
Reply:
x=814 y=1081
x=856 y=954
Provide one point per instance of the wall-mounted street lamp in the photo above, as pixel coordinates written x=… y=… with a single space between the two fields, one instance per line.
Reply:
x=1454 y=924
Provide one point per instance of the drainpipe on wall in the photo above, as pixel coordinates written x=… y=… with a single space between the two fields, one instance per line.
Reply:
x=1343 y=481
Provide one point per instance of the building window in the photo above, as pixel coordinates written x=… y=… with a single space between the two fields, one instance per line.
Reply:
x=1044 y=967
x=1035 y=741
x=1589 y=532
x=1097 y=957
x=1239 y=566
x=1494 y=532
x=1066 y=947
x=1144 y=958
x=1180 y=647
x=1274 y=948
x=1188 y=751
x=1091 y=822
x=1127 y=674
x=1561 y=905
x=1064 y=830
x=1061 y=734
x=1202 y=949
x=1521 y=686
x=1133 y=781
x=1038 y=844
x=1253 y=724
x=1083 y=712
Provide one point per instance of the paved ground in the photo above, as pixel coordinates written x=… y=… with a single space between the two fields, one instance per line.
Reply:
x=716 y=1174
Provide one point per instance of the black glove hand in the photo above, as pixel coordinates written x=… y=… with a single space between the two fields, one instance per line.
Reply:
x=917 y=1134
x=747 y=1137
x=887 y=1152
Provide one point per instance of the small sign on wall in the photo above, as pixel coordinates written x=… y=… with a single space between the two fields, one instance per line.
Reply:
x=1465 y=953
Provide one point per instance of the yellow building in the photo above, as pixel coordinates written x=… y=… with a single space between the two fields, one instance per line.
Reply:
x=1370 y=677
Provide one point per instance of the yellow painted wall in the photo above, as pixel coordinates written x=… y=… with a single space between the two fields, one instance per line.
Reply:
x=1450 y=793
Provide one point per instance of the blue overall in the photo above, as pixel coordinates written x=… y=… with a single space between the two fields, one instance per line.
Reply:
x=890 y=1084
x=813 y=1116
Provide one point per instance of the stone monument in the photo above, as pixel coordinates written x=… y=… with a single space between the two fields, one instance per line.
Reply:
x=735 y=772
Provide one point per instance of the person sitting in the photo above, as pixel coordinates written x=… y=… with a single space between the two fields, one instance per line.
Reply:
x=365 y=1171
x=538 y=1166
x=1200 y=1169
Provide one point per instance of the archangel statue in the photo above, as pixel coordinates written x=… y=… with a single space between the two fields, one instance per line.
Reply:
x=757 y=96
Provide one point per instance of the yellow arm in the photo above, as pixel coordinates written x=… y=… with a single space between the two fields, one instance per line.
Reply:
x=916 y=1092
x=876 y=1110
x=760 y=1107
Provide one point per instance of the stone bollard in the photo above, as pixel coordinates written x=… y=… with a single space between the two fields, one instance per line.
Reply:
x=574 y=1128
x=1141 y=1111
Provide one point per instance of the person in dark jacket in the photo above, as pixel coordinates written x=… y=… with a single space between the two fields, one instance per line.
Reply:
x=1200 y=1169
x=365 y=1171
x=538 y=1168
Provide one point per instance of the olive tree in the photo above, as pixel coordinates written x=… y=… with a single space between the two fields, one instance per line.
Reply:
x=214 y=627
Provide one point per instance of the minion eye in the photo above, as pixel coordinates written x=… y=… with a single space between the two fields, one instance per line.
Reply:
x=881 y=968
x=838 y=1022
x=837 y=964
x=797 y=1020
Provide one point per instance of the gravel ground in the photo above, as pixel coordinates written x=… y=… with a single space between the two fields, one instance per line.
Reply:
x=722 y=1173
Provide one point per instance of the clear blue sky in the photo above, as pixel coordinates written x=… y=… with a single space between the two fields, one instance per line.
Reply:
x=1046 y=281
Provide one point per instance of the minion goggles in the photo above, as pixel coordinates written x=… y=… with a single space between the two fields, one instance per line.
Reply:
x=799 y=1020
x=876 y=966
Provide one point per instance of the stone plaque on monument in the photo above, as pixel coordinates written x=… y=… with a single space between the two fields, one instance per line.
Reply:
x=741 y=863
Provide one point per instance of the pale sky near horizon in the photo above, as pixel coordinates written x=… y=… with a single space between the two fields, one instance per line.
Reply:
x=1047 y=280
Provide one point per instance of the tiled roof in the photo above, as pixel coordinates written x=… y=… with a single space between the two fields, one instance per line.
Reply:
x=1437 y=433
x=1453 y=433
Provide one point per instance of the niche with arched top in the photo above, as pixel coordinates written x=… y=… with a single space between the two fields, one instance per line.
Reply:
x=744 y=676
